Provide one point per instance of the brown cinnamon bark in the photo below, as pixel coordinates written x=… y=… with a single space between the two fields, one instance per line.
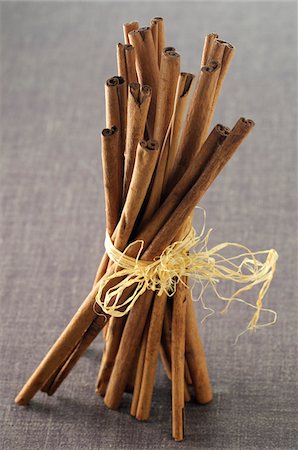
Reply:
x=151 y=358
x=178 y=351
x=184 y=85
x=126 y=63
x=116 y=104
x=168 y=79
x=139 y=374
x=158 y=27
x=208 y=44
x=147 y=67
x=112 y=164
x=198 y=117
x=154 y=31
x=223 y=52
x=195 y=355
x=169 y=73
x=137 y=110
x=127 y=28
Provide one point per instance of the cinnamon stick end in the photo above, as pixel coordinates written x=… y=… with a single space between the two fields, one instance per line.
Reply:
x=19 y=400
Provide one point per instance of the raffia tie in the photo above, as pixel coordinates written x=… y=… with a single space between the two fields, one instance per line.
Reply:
x=189 y=258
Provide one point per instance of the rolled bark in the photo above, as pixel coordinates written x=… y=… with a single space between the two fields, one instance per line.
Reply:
x=158 y=27
x=127 y=28
x=178 y=351
x=112 y=164
x=137 y=110
x=147 y=67
x=198 y=117
x=151 y=358
x=139 y=373
x=169 y=73
x=126 y=63
x=208 y=44
x=184 y=85
x=168 y=79
x=116 y=104
x=195 y=355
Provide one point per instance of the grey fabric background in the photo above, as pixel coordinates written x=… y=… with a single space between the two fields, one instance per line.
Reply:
x=54 y=61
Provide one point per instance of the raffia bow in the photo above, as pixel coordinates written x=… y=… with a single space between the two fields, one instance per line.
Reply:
x=189 y=258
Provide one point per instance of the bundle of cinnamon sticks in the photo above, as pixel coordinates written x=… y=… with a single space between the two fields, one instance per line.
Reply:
x=156 y=168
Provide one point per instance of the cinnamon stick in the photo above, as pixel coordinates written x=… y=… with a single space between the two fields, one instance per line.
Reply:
x=157 y=24
x=116 y=99
x=147 y=67
x=195 y=355
x=198 y=117
x=223 y=52
x=154 y=31
x=126 y=63
x=168 y=78
x=116 y=103
x=178 y=350
x=165 y=349
x=127 y=28
x=208 y=44
x=151 y=358
x=139 y=374
x=184 y=84
x=169 y=73
x=112 y=163
x=137 y=110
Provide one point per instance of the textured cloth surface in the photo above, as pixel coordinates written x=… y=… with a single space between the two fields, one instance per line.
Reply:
x=55 y=59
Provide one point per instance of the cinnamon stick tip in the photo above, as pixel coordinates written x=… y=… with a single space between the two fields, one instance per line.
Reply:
x=188 y=79
x=225 y=43
x=146 y=89
x=248 y=122
x=151 y=144
x=171 y=52
x=128 y=47
x=135 y=86
x=106 y=132
x=115 y=81
x=211 y=67
x=128 y=24
x=222 y=129
x=19 y=400
x=213 y=35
